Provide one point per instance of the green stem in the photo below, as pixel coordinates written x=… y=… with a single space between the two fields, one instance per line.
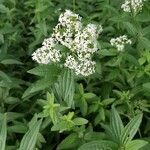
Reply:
x=74 y=5
x=140 y=133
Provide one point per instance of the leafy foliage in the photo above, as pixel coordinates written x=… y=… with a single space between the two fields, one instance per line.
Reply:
x=47 y=107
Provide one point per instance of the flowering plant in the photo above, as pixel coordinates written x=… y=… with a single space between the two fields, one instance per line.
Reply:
x=80 y=41
x=88 y=83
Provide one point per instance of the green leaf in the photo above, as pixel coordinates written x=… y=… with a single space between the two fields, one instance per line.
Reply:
x=142 y=60
x=131 y=59
x=50 y=97
x=99 y=145
x=4 y=9
x=131 y=129
x=147 y=85
x=29 y=139
x=116 y=124
x=100 y=116
x=43 y=28
x=68 y=87
x=19 y=128
x=4 y=76
x=144 y=42
x=146 y=88
x=11 y=147
x=27 y=92
x=62 y=126
x=45 y=70
x=105 y=52
x=11 y=61
x=64 y=88
x=80 y=121
x=1 y=38
x=91 y=136
x=83 y=106
x=12 y=100
x=146 y=30
x=146 y=147
x=135 y=145
x=70 y=142
x=51 y=109
x=108 y=101
x=3 y=132
x=37 y=86
x=89 y=95
x=49 y=73
x=11 y=116
x=131 y=29
x=143 y=17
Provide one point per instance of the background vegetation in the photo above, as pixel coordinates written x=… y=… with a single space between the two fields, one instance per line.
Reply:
x=108 y=110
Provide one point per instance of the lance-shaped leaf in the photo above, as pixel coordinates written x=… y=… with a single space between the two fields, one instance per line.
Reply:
x=131 y=129
x=3 y=132
x=29 y=139
x=116 y=124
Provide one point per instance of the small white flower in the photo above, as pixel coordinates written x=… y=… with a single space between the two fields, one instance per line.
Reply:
x=120 y=42
x=49 y=42
x=70 y=62
x=54 y=55
x=86 y=40
x=126 y=6
x=93 y=29
x=45 y=55
x=82 y=56
x=85 y=68
x=40 y=56
x=70 y=21
x=134 y=5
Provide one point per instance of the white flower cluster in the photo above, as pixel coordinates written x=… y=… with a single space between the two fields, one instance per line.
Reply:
x=81 y=42
x=70 y=62
x=47 y=52
x=84 y=44
x=134 y=5
x=120 y=42
x=44 y=55
x=69 y=24
x=84 y=67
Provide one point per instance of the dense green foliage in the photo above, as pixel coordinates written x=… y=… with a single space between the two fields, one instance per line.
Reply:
x=46 y=107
